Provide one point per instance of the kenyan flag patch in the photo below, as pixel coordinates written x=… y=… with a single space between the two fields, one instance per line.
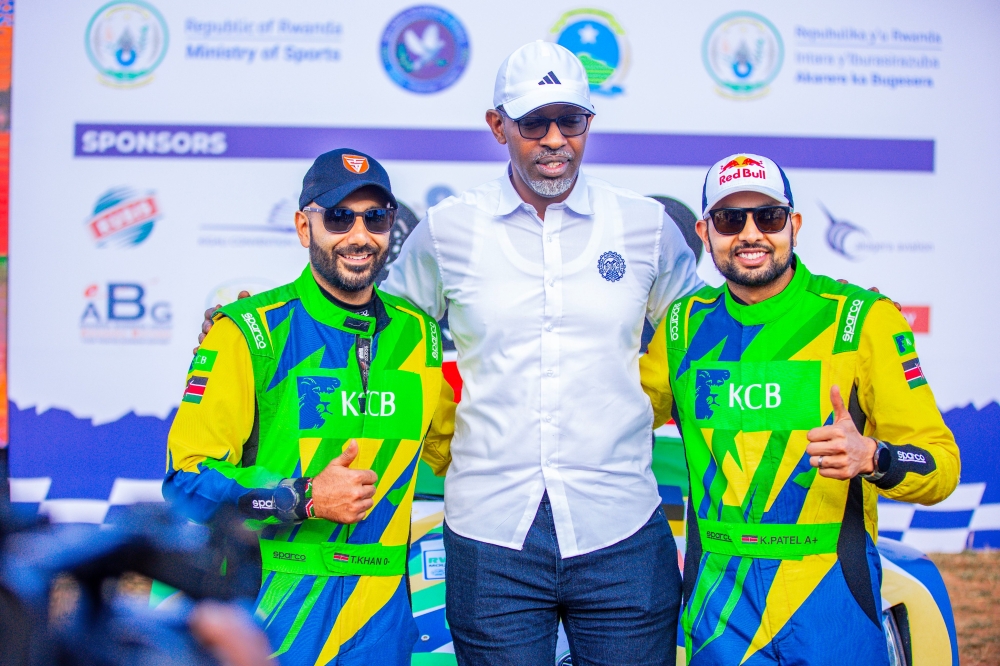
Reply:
x=914 y=375
x=195 y=389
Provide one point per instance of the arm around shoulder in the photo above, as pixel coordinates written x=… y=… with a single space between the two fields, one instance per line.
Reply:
x=654 y=373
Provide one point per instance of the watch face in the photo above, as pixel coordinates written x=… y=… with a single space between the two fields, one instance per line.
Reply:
x=884 y=458
x=284 y=498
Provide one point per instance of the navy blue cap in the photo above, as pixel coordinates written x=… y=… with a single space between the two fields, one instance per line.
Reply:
x=336 y=174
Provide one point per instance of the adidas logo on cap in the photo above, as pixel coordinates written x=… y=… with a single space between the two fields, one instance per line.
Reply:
x=550 y=78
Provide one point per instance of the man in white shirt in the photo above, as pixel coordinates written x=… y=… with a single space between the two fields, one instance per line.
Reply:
x=551 y=507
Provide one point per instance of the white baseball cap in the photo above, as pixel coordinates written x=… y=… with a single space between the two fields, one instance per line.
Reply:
x=538 y=74
x=744 y=172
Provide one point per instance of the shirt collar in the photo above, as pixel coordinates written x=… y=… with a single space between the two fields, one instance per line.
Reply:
x=578 y=200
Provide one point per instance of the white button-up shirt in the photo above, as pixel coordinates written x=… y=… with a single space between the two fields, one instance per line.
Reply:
x=547 y=317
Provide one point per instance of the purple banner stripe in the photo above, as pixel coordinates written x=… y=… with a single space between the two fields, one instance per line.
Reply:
x=248 y=142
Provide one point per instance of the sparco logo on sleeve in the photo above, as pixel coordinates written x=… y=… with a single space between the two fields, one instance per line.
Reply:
x=263 y=504
x=907 y=456
x=852 y=320
x=258 y=336
x=675 y=317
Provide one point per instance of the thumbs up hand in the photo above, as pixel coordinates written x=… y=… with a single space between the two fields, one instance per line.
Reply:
x=839 y=450
x=342 y=494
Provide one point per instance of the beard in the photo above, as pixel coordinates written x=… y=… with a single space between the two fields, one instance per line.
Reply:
x=349 y=278
x=758 y=277
x=550 y=188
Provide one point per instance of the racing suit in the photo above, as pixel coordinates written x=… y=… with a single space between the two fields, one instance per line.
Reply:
x=281 y=384
x=781 y=564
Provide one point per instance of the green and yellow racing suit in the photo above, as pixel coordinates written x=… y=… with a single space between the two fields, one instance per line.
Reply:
x=781 y=563
x=276 y=392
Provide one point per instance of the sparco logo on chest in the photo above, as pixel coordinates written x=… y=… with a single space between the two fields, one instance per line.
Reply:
x=852 y=320
x=258 y=336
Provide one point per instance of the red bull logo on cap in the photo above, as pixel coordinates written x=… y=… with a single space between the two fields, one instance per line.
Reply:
x=743 y=167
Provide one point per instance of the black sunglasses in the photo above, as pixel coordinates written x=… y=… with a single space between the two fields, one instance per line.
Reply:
x=537 y=127
x=341 y=220
x=769 y=219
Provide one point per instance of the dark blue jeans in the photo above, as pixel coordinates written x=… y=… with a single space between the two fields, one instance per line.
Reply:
x=618 y=604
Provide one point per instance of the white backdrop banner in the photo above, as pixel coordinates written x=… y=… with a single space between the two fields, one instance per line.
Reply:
x=158 y=148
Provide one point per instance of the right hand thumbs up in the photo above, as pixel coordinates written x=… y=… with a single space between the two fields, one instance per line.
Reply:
x=342 y=494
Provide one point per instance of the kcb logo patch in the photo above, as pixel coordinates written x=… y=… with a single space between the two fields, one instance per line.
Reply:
x=355 y=163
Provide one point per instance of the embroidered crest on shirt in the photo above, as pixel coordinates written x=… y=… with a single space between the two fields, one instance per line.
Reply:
x=611 y=266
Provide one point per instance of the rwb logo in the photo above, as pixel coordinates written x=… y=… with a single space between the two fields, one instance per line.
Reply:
x=126 y=41
x=123 y=313
x=424 y=49
x=598 y=40
x=743 y=53
x=123 y=218
x=611 y=266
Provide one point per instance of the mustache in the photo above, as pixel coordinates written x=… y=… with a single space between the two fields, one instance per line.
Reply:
x=750 y=246
x=548 y=152
x=367 y=248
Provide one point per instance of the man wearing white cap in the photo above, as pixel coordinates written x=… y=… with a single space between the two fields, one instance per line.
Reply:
x=551 y=507
x=800 y=400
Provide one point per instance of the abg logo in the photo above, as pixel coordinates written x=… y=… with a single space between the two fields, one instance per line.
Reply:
x=852 y=319
x=675 y=316
x=771 y=394
x=258 y=337
x=376 y=403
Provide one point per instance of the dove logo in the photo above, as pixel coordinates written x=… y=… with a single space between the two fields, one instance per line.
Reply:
x=355 y=163
x=424 y=49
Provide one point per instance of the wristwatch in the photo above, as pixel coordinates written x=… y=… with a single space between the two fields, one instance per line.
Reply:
x=881 y=461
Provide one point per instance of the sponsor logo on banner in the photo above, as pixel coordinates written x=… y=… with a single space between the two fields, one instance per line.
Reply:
x=276 y=229
x=598 y=40
x=229 y=291
x=123 y=218
x=918 y=317
x=425 y=49
x=126 y=41
x=125 y=313
x=854 y=242
x=743 y=53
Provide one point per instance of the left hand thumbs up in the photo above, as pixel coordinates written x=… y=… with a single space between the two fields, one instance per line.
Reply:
x=839 y=450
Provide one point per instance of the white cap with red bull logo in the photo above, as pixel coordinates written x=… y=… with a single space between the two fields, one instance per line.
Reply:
x=744 y=172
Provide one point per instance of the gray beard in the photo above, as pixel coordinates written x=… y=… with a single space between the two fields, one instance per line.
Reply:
x=550 y=188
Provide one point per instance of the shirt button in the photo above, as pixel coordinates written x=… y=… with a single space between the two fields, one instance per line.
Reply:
x=548 y=327
x=548 y=418
x=548 y=463
x=552 y=283
x=548 y=239
x=549 y=373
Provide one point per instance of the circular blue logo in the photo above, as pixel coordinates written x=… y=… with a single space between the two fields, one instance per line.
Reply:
x=611 y=266
x=425 y=49
x=126 y=41
x=598 y=40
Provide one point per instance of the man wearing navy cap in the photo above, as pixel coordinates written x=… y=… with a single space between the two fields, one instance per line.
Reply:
x=306 y=408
